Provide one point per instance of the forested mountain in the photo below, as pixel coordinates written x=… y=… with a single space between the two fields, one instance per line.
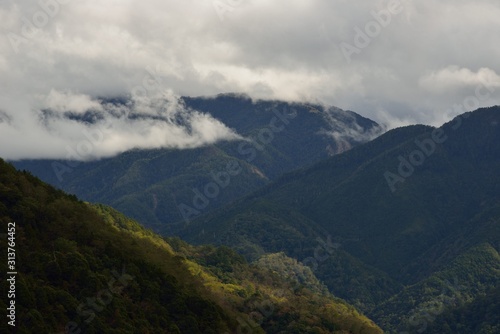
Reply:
x=163 y=186
x=85 y=268
x=406 y=227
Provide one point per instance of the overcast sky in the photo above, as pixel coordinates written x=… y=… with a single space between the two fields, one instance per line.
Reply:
x=396 y=62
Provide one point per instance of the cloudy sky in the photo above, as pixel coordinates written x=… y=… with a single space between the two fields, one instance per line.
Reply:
x=397 y=62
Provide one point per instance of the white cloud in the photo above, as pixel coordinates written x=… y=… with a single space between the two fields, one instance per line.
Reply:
x=159 y=121
x=453 y=78
x=429 y=57
x=67 y=101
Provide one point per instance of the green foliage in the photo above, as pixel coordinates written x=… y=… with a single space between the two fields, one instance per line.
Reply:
x=479 y=316
x=421 y=258
x=293 y=271
x=87 y=267
x=387 y=244
x=149 y=185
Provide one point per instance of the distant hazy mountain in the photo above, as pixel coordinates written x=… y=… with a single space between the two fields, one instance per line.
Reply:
x=163 y=186
x=407 y=226
x=85 y=268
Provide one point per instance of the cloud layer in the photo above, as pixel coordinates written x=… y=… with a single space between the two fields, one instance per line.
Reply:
x=410 y=62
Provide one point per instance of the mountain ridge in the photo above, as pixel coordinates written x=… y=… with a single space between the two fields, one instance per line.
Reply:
x=440 y=199
x=87 y=268
x=160 y=187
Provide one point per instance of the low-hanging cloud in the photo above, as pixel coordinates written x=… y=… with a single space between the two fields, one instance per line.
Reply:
x=452 y=78
x=78 y=127
x=62 y=55
x=337 y=120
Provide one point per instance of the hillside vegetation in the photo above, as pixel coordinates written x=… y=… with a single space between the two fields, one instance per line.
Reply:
x=388 y=224
x=167 y=188
x=86 y=268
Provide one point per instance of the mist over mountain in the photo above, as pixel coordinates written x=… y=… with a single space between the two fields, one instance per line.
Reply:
x=250 y=166
x=162 y=186
x=83 y=128
x=396 y=74
x=402 y=226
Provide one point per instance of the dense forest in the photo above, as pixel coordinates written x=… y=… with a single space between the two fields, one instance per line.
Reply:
x=404 y=226
x=85 y=268
x=159 y=188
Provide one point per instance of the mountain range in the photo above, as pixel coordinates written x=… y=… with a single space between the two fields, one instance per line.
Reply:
x=164 y=186
x=86 y=268
x=403 y=225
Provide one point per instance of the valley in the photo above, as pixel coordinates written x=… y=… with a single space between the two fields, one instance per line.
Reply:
x=403 y=227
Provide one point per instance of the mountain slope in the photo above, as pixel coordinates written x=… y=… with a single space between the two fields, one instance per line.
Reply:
x=398 y=209
x=87 y=268
x=164 y=186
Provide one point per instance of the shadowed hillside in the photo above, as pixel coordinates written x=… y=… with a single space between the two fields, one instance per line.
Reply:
x=163 y=187
x=85 y=268
x=414 y=206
